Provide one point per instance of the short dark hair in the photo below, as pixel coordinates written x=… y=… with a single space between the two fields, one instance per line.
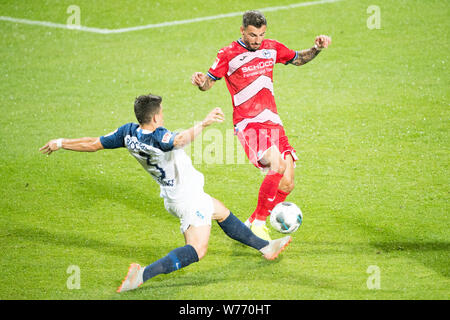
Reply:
x=146 y=106
x=253 y=18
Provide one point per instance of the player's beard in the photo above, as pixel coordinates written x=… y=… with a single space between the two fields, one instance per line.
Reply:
x=252 y=46
x=255 y=46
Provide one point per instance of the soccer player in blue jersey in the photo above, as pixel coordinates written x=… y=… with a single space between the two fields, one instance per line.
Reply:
x=161 y=153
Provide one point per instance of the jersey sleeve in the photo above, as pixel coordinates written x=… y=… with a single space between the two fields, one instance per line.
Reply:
x=114 y=139
x=220 y=66
x=164 y=139
x=284 y=54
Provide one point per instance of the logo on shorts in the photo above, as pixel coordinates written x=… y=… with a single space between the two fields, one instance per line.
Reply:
x=200 y=215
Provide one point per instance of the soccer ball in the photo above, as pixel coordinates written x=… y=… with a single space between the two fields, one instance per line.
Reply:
x=286 y=217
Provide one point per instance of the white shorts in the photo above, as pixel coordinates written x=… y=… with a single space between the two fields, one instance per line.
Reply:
x=195 y=211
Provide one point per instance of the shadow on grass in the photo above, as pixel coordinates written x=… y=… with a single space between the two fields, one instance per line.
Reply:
x=433 y=255
x=132 y=195
x=67 y=240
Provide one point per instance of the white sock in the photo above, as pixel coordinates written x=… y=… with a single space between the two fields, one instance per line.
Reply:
x=258 y=223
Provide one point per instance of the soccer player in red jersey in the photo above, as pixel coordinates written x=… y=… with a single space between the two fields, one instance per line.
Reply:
x=247 y=66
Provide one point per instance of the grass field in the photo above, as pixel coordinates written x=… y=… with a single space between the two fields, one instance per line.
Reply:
x=369 y=118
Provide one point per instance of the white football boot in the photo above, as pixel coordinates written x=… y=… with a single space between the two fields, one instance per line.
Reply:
x=274 y=248
x=133 y=279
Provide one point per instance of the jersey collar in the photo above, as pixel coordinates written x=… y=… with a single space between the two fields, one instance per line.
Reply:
x=239 y=41
x=144 y=131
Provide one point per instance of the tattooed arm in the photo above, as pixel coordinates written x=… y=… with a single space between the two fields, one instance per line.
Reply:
x=307 y=55
x=202 y=81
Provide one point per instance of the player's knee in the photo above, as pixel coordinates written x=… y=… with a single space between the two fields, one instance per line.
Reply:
x=279 y=166
x=287 y=185
x=201 y=250
x=221 y=216
x=220 y=211
x=282 y=166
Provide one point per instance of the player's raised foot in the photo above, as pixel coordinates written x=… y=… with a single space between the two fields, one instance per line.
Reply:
x=274 y=248
x=133 y=278
x=261 y=231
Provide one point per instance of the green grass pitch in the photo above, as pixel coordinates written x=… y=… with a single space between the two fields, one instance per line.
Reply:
x=369 y=118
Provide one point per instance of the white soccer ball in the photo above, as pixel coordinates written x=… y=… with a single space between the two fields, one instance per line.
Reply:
x=286 y=217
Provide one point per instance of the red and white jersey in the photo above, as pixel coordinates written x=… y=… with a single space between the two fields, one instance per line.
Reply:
x=249 y=78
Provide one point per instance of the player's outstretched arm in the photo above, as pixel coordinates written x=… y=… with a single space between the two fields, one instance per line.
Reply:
x=83 y=145
x=187 y=136
x=202 y=81
x=307 y=55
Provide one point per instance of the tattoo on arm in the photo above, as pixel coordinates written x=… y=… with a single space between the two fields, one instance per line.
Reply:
x=305 y=56
x=207 y=85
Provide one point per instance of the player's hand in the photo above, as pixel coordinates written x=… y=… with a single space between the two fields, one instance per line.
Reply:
x=216 y=115
x=322 y=41
x=198 y=79
x=51 y=146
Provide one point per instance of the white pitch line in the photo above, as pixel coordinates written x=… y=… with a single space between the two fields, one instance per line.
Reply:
x=54 y=25
x=159 y=25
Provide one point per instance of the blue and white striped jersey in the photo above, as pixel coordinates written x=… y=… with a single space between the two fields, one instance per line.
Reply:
x=171 y=168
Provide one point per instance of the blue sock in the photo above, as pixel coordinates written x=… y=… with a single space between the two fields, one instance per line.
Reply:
x=176 y=259
x=237 y=230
